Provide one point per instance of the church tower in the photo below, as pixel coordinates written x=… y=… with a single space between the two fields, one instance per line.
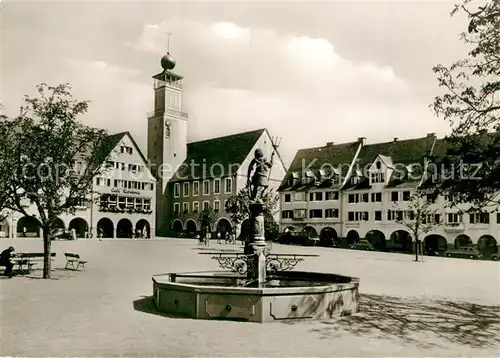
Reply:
x=167 y=130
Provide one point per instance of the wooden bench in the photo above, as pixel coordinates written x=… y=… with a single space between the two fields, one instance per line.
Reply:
x=30 y=259
x=72 y=259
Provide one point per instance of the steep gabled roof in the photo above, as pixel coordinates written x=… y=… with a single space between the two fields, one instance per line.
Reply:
x=226 y=152
x=112 y=140
x=401 y=152
x=335 y=156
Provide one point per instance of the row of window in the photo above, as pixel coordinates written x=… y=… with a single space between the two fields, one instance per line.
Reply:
x=125 y=184
x=392 y=215
x=124 y=202
x=193 y=188
x=195 y=206
x=308 y=177
x=474 y=218
x=313 y=214
x=314 y=196
x=134 y=168
x=125 y=149
x=351 y=198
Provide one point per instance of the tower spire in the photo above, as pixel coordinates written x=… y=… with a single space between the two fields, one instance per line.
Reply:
x=167 y=61
x=168 y=41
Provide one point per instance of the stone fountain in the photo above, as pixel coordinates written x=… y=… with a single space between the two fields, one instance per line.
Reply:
x=257 y=285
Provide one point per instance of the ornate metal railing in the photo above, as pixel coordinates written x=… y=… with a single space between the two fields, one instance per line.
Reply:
x=238 y=263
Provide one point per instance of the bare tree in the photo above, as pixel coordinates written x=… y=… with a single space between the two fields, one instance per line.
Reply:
x=418 y=217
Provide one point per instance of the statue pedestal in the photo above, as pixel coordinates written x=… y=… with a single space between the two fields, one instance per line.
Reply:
x=256 y=245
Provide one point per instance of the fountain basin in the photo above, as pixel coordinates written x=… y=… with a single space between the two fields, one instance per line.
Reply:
x=289 y=295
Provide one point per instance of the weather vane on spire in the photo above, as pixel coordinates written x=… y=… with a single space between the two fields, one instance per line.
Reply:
x=167 y=61
x=168 y=40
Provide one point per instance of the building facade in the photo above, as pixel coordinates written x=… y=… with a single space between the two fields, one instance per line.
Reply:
x=356 y=191
x=122 y=200
x=193 y=176
x=214 y=170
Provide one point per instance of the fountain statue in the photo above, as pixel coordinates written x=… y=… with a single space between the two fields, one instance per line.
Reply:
x=260 y=286
x=257 y=185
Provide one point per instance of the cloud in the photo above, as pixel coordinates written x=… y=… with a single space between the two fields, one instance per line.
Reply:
x=119 y=102
x=236 y=78
x=299 y=87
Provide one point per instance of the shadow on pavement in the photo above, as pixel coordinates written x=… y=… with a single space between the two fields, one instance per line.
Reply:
x=218 y=249
x=462 y=323
x=56 y=274
x=409 y=320
x=146 y=305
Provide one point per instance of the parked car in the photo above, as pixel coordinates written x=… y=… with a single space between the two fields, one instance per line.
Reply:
x=432 y=253
x=362 y=245
x=297 y=238
x=61 y=234
x=464 y=253
x=495 y=257
x=328 y=242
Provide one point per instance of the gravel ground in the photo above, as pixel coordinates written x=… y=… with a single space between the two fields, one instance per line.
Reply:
x=440 y=307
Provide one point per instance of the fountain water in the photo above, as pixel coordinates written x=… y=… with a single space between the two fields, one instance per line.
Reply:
x=260 y=286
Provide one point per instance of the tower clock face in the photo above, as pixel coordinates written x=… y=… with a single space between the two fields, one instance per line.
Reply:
x=167 y=128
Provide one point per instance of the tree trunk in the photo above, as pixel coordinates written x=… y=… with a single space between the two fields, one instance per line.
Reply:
x=46 y=251
x=416 y=249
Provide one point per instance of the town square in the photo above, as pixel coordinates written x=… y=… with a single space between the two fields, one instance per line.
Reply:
x=202 y=181
x=440 y=307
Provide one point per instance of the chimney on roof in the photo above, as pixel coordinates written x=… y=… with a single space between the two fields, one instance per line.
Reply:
x=396 y=139
x=362 y=140
x=329 y=144
x=431 y=135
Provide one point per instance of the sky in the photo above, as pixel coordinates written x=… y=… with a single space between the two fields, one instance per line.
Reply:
x=309 y=72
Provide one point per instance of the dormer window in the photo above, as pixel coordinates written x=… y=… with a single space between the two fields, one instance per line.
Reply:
x=307 y=177
x=377 y=177
x=378 y=165
x=322 y=174
x=292 y=180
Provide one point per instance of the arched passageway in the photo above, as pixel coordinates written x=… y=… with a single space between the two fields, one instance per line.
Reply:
x=124 y=229
x=245 y=230
x=435 y=245
x=352 y=237
x=224 y=227
x=487 y=245
x=328 y=237
x=177 y=226
x=143 y=228
x=28 y=226
x=58 y=224
x=289 y=229
x=4 y=228
x=462 y=241
x=311 y=232
x=191 y=228
x=105 y=228
x=401 y=241
x=377 y=239
x=81 y=227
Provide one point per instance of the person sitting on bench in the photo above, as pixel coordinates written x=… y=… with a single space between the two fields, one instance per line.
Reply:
x=5 y=261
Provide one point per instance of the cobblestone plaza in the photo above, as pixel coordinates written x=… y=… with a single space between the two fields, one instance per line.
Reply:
x=106 y=310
